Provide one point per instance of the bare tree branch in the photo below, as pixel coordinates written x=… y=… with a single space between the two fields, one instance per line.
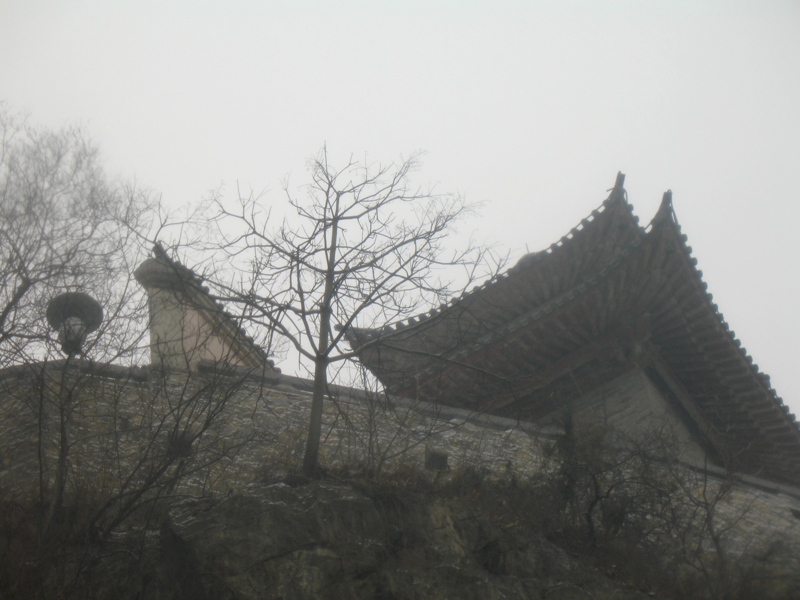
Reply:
x=365 y=247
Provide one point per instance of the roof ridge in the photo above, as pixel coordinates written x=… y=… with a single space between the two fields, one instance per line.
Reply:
x=617 y=194
x=187 y=276
x=666 y=216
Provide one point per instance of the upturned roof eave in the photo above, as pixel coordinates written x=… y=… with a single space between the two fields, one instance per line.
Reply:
x=614 y=215
x=755 y=397
x=742 y=385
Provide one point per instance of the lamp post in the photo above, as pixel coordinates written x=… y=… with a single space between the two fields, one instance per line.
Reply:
x=73 y=315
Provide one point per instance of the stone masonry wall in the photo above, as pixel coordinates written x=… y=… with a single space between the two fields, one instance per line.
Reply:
x=123 y=422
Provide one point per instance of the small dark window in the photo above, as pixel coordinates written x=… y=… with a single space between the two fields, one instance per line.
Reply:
x=435 y=460
x=179 y=445
x=795 y=512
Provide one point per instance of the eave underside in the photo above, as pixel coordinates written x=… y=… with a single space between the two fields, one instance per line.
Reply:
x=526 y=343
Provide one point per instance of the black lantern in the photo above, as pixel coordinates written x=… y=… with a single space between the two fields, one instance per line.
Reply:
x=74 y=315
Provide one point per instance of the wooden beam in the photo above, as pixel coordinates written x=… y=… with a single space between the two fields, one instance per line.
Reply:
x=621 y=345
x=687 y=403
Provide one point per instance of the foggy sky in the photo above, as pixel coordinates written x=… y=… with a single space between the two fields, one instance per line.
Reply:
x=530 y=108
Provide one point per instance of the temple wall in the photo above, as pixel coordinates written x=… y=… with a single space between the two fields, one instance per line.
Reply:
x=632 y=406
x=259 y=434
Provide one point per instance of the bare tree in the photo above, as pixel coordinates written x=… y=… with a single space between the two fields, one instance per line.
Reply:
x=64 y=226
x=631 y=502
x=90 y=443
x=366 y=248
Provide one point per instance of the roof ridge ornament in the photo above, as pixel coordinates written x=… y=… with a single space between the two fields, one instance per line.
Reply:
x=618 y=191
x=160 y=252
x=665 y=210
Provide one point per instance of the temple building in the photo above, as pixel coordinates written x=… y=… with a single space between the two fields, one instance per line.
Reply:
x=612 y=323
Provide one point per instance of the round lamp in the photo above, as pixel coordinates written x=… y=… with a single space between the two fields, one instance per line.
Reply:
x=74 y=315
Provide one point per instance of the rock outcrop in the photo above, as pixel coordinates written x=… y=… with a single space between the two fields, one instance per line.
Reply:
x=352 y=540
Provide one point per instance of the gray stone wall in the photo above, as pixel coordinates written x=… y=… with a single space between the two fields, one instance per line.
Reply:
x=227 y=431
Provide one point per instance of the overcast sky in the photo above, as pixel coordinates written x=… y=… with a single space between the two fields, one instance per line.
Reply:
x=528 y=107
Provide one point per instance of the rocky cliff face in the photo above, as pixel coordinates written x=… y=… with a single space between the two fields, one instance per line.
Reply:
x=336 y=540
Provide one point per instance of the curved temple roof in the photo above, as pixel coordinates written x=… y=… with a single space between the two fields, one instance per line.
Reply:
x=607 y=297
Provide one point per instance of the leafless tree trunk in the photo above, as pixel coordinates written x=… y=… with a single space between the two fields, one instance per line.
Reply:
x=366 y=248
